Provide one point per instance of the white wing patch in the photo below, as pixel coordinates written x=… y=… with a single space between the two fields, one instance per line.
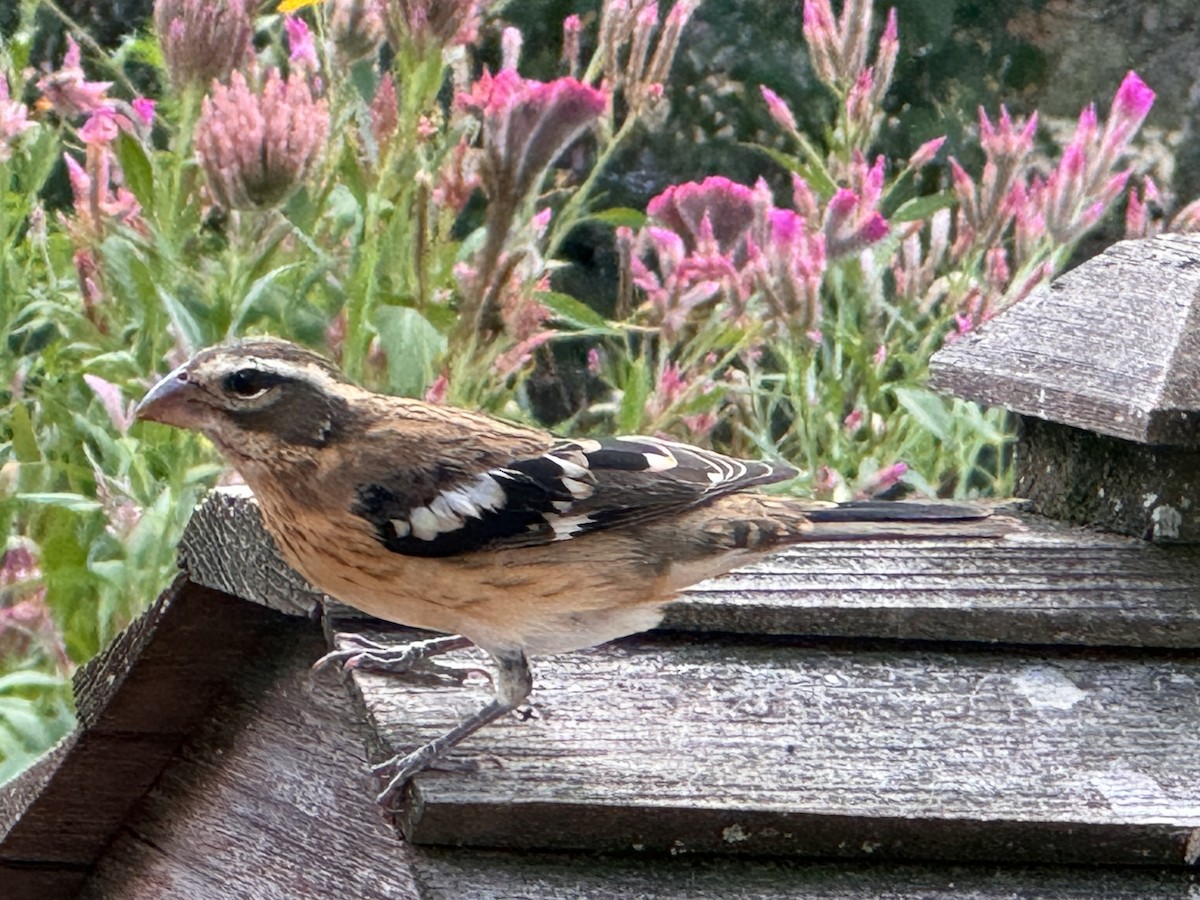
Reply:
x=450 y=509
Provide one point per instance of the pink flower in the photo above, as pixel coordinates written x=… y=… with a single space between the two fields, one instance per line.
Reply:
x=717 y=209
x=438 y=390
x=1130 y=107
x=356 y=27
x=885 y=478
x=143 y=107
x=926 y=152
x=302 y=51
x=257 y=147
x=852 y=219
x=1007 y=138
x=67 y=90
x=779 y=110
x=572 y=26
x=119 y=410
x=526 y=125
x=14 y=121
x=96 y=203
x=432 y=24
x=102 y=126
x=202 y=40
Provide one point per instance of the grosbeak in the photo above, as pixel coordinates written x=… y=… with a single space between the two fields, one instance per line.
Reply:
x=492 y=533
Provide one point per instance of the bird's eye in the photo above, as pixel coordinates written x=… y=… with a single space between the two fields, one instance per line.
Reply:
x=247 y=383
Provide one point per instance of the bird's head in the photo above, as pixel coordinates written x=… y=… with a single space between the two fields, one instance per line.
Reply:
x=257 y=399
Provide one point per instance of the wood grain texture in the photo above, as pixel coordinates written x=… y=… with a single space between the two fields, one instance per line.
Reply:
x=483 y=875
x=1047 y=585
x=269 y=798
x=135 y=702
x=1112 y=346
x=790 y=748
x=225 y=547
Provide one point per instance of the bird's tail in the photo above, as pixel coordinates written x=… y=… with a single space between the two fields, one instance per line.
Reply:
x=904 y=519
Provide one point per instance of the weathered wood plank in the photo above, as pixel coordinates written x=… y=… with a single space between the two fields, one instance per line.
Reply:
x=226 y=548
x=1112 y=347
x=135 y=703
x=269 y=799
x=481 y=875
x=790 y=748
x=1048 y=585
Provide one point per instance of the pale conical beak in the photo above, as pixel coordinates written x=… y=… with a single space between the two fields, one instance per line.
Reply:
x=173 y=401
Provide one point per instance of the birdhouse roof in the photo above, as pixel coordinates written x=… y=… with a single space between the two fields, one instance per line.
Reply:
x=1111 y=346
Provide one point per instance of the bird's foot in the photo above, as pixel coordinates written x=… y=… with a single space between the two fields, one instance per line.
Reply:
x=400 y=768
x=358 y=652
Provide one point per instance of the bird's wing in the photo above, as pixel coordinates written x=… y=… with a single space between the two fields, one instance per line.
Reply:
x=574 y=488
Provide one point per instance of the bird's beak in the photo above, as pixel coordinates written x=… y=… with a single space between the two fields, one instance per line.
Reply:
x=173 y=401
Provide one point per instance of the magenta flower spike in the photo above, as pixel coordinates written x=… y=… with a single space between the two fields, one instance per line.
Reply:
x=67 y=90
x=257 y=147
x=14 y=121
x=302 y=50
x=202 y=40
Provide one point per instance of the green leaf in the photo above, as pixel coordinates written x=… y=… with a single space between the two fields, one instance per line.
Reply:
x=255 y=293
x=927 y=408
x=573 y=311
x=185 y=323
x=24 y=441
x=136 y=169
x=412 y=346
x=63 y=500
x=618 y=216
x=29 y=678
x=816 y=176
x=633 y=401
x=920 y=208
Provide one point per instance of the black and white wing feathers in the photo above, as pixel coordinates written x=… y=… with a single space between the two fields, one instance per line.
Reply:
x=575 y=488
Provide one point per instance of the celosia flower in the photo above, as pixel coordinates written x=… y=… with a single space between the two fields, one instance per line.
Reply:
x=526 y=125
x=143 y=107
x=25 y=620
x=256 y=148
x=779 y=110
x=572 y=26
x=14 y=121
x=202 y=40
x=926 y=152
x=432 y=24
x=302 y=51
x=791 y=271
x=852 y=218
x=716 y=208
x=1083 y=185
x=96 y=202
x=357 y=27
x=67 y=90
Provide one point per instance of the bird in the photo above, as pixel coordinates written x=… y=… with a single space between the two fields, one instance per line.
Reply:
x=488 y=532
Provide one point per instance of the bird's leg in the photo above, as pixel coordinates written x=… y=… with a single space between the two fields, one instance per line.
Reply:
x=367 y=655
x=513 y=685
